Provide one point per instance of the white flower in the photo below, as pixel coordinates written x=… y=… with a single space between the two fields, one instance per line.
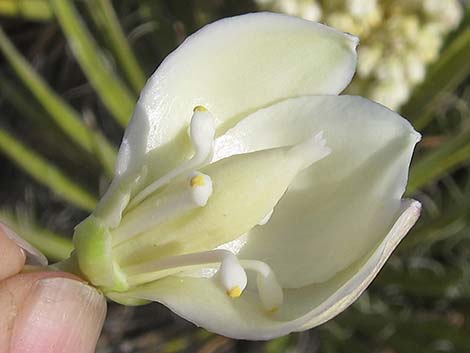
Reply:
x=370 y=57
x=361 y=8
x=249 y=198
x=448 y=13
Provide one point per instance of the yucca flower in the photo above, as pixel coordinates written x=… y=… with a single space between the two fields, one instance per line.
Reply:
x=249 y=197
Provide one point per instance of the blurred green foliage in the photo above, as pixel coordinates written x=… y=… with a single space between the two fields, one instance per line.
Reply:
x=70 y=74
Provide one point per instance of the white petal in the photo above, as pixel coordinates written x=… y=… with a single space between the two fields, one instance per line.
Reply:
x=410 y=211
x=337 y=210
x=203 y=302
x=233 y=67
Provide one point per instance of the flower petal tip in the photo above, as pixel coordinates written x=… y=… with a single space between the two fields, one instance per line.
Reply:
x=416 y=208
x=355 y=41
x=417 y=136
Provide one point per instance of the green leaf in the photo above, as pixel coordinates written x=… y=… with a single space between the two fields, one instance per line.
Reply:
x=416 y=332
x=437 y=229
x=62 y=114
x=32 y=10
x=440 y=161
x=45 y=172
x=15 y=95
x=424 y=283
x=115 y=95
x=55 y=247
x=107 y=22
x=452 y=68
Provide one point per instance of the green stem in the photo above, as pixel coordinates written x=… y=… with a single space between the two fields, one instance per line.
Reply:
x=70 y=265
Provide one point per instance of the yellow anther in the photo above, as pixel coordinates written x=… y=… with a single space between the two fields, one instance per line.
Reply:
x=197 y=180
x=273 y=310
x=200 y=108
x=235 y=292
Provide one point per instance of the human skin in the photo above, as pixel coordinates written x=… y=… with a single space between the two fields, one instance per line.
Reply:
x=47 y=311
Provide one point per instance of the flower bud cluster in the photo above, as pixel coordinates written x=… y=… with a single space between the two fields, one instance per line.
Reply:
x=398 y=38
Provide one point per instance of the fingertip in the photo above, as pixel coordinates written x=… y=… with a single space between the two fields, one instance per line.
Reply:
x=59 y=315
x=33 y=255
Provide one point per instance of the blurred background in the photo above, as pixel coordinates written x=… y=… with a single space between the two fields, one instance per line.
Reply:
x=70 y=74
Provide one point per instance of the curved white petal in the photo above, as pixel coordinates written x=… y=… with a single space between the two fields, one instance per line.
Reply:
x=233 y=67
x=203 y=302
x=410 y=211
x=339 y=208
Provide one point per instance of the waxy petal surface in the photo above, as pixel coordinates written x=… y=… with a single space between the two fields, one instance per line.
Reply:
x=336 y=211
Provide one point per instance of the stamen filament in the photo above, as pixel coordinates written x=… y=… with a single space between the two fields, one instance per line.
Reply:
x=153 y=212
x=202 y=132
x=231 y=274
x=269 y=290
x=175 y=264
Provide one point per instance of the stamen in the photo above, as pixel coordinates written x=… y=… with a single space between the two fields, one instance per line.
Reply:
x=231 y=272
x=235 y=292
x=269 y=290
x=200 y=108
x=232 y=276
x=152 y=212
x=310 y=150
x=202 y=132
x=201 y=188
x=197 y=180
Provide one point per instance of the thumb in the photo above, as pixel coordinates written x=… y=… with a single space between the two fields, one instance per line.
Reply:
x=59 y=315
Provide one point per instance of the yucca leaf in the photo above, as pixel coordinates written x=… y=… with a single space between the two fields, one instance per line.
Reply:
x=106 y=21
x=33 y=10
x=13 y=93
x=112 y=91
x=55 y=247
x=439 y=162
x=45 y=172
x=63 y=115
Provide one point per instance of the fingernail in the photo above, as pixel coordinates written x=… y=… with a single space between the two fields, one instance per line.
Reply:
x=59 y=315
x=33 y=255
